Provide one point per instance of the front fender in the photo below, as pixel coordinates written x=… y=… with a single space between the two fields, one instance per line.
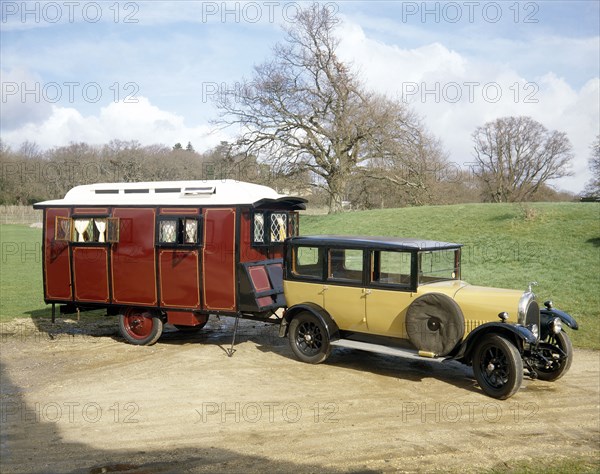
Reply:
x=333 y=332
x=548 y=314
x=514 y=333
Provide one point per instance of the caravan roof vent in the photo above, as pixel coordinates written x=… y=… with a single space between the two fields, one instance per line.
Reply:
x=199 y=191
x=167 y=190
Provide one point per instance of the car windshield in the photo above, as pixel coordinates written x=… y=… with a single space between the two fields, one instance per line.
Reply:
x=439 y=265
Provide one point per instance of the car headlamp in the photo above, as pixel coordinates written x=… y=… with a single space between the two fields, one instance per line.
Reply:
x=556 y=325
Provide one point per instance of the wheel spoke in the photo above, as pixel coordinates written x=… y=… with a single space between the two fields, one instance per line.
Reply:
x=498 y=367
x=495 y=366
x=553 y=357
x=309 y=338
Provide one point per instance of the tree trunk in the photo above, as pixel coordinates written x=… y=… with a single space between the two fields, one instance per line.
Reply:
x=337 y=188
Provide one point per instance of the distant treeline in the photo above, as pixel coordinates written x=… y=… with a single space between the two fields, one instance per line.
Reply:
x=29 y=175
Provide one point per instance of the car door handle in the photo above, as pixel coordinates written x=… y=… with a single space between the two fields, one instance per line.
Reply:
x=366 y=291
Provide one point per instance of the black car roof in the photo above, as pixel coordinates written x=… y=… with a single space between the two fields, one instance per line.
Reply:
x=390 y=243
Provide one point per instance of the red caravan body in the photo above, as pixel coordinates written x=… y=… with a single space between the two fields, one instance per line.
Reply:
x=184 y=249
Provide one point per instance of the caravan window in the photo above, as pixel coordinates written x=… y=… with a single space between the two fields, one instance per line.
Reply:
x=87 y=229
x=178 y=231
x=273 y=227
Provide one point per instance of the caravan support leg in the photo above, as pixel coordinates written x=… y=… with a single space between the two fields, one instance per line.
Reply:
x=231 y=350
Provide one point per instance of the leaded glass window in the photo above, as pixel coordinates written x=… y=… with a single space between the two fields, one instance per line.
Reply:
x=62 y=228
x=278 y=226
x=168 y=231
x=259 y=228
x=178 y=230
x=191 y=231
x=112 y=232
x=294 y=225
x=273 y=227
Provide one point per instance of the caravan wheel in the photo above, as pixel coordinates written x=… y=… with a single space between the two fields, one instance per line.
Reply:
x=140 y=326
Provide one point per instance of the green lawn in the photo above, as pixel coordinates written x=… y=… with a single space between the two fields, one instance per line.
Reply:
x=506 y=245
x=21 y=291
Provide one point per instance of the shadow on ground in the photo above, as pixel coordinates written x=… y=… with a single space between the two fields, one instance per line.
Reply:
x=30 y=445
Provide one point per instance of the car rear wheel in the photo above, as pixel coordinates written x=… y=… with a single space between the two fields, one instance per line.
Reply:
x=557 y=352
x=309 y=339
x=498 y=367
x=140 y=326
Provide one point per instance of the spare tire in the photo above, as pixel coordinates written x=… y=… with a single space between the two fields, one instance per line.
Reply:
x=435 y=323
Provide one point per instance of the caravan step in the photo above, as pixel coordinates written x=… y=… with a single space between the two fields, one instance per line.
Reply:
x=387 y=350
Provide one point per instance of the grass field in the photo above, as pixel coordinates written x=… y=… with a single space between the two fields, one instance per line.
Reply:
x=21 y=292
x=506 y=245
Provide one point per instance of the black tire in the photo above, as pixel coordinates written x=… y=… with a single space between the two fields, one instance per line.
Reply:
x=435 y=323
x=498 y=367
x=309 y=339
x=140 y=326
x=196 y=328
x=560 y=364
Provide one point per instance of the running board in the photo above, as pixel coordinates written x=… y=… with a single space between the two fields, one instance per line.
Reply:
x=387 y=350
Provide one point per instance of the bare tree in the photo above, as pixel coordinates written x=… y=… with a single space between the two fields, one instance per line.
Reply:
x=592 y=189
x=306 y=110
x=515 y=156
x=30 y=150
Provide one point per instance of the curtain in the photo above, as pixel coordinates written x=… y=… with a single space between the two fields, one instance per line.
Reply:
x=101 y=226
x=81 y=226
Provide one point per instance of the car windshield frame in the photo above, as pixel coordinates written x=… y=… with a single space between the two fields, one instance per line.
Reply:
x=438 y=265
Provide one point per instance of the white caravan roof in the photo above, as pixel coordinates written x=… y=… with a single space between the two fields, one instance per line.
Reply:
x=173 y=193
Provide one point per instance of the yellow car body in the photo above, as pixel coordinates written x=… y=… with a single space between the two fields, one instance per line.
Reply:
x=407 y=295
x=383 y=311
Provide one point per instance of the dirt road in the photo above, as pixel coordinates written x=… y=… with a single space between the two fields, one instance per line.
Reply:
x=92 y=403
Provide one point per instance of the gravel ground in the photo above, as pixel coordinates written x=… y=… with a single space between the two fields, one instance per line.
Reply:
x=76 y=398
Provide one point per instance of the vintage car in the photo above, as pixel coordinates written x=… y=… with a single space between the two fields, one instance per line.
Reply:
x=406 y=297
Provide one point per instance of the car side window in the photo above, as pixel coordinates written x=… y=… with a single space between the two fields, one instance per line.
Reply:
x=391 y=268
x=307 y=262
x=346 y=265
x=439 y=266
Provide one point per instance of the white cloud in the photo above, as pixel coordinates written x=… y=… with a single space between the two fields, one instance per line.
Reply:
x=140 y=121
x=21 y=101
x=173 y=54
x=455 y=93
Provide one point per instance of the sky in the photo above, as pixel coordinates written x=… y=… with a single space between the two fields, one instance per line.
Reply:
x=95 y=71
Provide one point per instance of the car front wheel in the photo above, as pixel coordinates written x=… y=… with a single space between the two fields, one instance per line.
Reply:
x=557 y=353
x=498 y=367
x=308 y=338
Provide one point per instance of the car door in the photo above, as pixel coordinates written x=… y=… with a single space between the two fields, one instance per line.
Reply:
x=344 y=292
x=388 y=293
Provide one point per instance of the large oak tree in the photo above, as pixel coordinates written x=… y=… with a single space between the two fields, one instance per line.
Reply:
x=516 y=156
x=305 y=109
